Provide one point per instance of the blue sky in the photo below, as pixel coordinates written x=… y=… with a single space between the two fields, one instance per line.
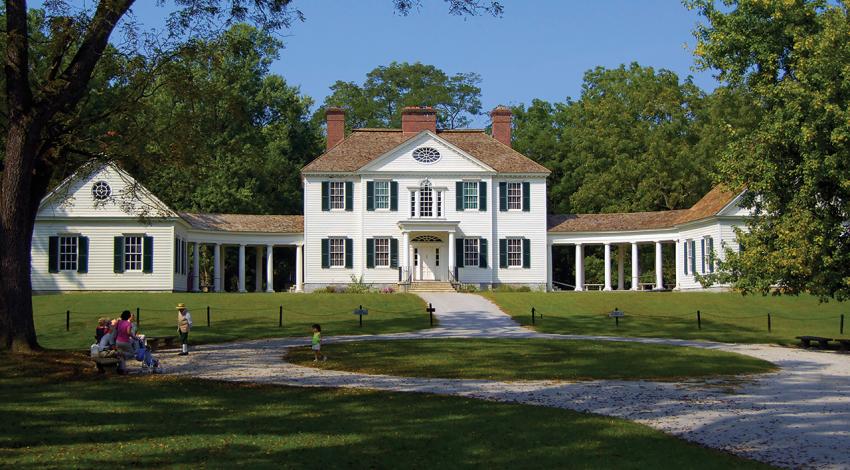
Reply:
x=538 y=49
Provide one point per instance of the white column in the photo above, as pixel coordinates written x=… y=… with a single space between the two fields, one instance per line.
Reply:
x=621 y=267
x=679 y=256
x=242 y=267
x=405 y=254
x=549 y=286
x=258 y=286
x=452 y=255
x=579 y=267
x=299 y=268
x=659 y=275
x=635 y=267
x=196 y=267
x=269 y=268
x=607 y=267
x=218 y=266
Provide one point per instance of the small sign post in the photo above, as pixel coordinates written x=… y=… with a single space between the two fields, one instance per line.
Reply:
x=431 y=311
x=616 y=315
x=360 y=312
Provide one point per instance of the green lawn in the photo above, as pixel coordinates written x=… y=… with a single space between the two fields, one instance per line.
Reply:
x=233 y=316
x=725 y=316
x=529 y=359
x=53 y=418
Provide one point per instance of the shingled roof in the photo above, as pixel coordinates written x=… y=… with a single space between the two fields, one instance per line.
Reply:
x=365 y=145
x=245 y=223
x=709 y=205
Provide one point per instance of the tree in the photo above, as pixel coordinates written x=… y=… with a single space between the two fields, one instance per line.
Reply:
x=793 y=58
x=43 y=100
x=388 y=89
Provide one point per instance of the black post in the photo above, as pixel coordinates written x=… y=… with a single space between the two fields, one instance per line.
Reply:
x=67 y=320
x=842 y=323
x=138 y=316
x=280 y=318
x=617 y=322
x=768 y=323
x=699 y=321
x=208 y=316
x=361 y=317
x=532 y=315
x=431 y=313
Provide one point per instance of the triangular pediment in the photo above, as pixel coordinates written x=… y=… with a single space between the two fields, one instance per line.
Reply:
x=426 y=153
x=102 y=190
x=734 y=208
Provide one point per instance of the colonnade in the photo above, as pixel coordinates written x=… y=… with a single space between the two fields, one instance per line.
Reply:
x=581 y=284
x=260 y=250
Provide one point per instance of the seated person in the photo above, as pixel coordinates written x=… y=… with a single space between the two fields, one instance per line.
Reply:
x=102 y=329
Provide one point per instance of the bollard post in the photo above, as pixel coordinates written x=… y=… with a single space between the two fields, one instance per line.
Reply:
x=431 y=311
x=67 y=320
x=361 y=317
x=842 y=324
x=138 y=316
x=699 y=321
x=768 y=323
x=208 y=316
x=532 y=315
x=280 y=318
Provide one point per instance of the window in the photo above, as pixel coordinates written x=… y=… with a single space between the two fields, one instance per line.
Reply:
x=439 y=203
x=337 y=246
x=708 y=255
x=382 y=194
x=413 y=203
x=101 y=191
x=337 y=193
x=426 y=155
x=68 y=253
x=685 y=252
x=514 y=252
x=470 y=252
x=416 y=256
x=470 y=194
x=514 y=196
x=133 y=253
x=426 y=200
x=382 y=252
x=437 y=260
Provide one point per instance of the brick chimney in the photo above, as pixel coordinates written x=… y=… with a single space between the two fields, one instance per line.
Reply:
x=501 y=118
x=415 y=119
x=335 y=118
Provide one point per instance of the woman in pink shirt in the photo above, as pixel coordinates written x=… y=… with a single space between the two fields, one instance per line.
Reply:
x=123 y=340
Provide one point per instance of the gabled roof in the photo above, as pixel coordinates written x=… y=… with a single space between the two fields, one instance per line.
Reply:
x=365 y=145
x=710 y=205
x=245 y=222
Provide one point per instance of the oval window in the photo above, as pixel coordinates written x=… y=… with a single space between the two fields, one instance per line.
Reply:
x=101 y=190
x=426 y=155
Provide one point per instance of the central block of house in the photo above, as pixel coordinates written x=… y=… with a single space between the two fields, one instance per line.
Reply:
x=419 y=205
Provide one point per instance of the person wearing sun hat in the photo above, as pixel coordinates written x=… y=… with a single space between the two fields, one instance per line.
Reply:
x=184 y=324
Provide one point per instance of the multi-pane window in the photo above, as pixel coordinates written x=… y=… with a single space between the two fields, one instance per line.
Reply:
x=708 y=255
x=514 y=196
x=514 y=252
x=437 y=261
x=68 y=253
x=337 y=193
x=382 y=194
x=470 y=195
x=439 y=203
x=470 y=252
x=133 y=253
x=426 y=200
x=337 y=252
x=382 y=252
x=413 y=203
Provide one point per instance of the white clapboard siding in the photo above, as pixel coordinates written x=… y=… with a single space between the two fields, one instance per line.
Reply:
x=531 y=225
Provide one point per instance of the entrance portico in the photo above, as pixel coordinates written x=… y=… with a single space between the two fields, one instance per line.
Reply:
x=427 y=251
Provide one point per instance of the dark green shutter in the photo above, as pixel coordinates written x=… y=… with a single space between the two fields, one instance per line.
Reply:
x=459 y=252
x=147 y=259
x=693 y=257
x=394 y=196
x=482 y=196
x=53 y=255
x=83 y=254
x=370 y=195
x=526 y=253
x=503 y=253
x=118 y=253
x=349 y=253
x=702 y=255
x=503 y=196
x=526 y=196
x=685 y=253
x=326 y=253
x=326 y=196
x=349 y=196
x=459 y=196
x=393 y=253
x=482 y=253
x=177 y=256
x=370 y=253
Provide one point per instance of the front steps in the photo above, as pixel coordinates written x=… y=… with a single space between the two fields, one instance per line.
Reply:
x=430 y=286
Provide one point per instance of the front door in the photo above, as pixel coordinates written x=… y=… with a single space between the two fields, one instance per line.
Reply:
x=428 y=270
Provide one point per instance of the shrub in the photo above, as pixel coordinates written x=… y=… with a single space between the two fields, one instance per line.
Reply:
x=357 y=286
x=510 y=288
x=387 y=290
x=467 y=288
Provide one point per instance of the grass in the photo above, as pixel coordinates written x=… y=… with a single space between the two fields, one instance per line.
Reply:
x=529 y=359
x=55 y=415
x=728 y=317
x=233 y=316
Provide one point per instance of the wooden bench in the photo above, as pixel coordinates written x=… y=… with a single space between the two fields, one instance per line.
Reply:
x=160 y=342
x=593 y=286
x=806 y=341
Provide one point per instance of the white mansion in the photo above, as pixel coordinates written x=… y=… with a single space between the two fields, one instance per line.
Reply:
x=405 y=207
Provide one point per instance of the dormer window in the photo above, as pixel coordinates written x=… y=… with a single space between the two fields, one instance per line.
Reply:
x=426 y=155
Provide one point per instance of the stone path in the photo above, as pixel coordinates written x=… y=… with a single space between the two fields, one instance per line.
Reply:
x=797 y=417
